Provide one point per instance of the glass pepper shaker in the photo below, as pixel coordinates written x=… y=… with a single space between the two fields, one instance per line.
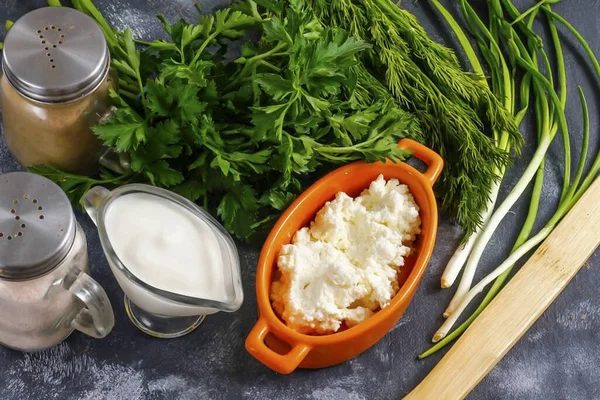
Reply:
x=54 y=88
x=45 y=289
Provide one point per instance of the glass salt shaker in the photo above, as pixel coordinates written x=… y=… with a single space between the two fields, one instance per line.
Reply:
x=45 y=289
x=54 y=88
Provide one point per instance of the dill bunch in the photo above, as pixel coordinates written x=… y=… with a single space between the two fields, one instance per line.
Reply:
x=454 y=107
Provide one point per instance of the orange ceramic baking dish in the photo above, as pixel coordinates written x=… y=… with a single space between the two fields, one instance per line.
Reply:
x=283 y=349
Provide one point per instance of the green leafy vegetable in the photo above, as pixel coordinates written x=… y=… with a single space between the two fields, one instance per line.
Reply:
x=454 y=107
x=244 y=137
x=75 y=186
x=527 y=53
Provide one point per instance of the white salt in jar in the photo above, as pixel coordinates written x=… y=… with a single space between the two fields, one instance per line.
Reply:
x=45 y=289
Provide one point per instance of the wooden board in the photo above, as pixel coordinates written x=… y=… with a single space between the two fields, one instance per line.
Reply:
x=518 y=305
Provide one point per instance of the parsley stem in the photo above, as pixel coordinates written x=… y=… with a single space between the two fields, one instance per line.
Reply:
x=249 y=64
x=128 y=94
x=321 y=148
x=264 y=221
x=206 y=42
x=127 y=86
x=254 y=9
x=270 y=66
x=88 y=7
x=123 y=70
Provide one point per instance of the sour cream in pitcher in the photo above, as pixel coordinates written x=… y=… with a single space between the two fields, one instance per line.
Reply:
x=166 y=246
x=175 y=263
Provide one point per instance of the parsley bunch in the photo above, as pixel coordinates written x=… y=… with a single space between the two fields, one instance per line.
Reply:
x=243 y=138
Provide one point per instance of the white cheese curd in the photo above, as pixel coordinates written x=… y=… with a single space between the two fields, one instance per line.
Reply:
x=345 y=266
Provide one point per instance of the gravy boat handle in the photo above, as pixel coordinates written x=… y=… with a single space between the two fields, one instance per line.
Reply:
x=92 y=200
x=434 y=162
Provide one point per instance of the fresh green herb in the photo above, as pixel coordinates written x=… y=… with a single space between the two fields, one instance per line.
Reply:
x=550 y=99
x=453 y=106
x=7 y=25
x=88 y=7
x=503 y=86
x=75 y=186
x=243 y=138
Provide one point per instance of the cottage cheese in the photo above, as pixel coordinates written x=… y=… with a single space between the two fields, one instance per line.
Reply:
x=345 y=266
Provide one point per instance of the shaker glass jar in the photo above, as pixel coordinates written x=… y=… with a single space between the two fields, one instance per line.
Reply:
x=45 y=289
x=54 y=88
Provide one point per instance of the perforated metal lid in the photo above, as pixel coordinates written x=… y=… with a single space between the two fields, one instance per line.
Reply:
x=55 y=54
x=37 y=225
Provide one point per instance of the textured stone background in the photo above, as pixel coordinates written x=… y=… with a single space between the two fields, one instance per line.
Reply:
x=557 y=359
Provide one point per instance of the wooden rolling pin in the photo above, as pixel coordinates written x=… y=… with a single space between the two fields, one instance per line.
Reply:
x=518 y=305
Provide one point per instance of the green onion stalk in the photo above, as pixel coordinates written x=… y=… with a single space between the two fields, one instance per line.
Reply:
x=547 y=131
x=503 y=87
x=572 y=195
x=544 y=111
x=484 y=237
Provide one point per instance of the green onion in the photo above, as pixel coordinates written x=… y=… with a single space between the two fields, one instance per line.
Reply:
x=549 y=118
x=503 y=89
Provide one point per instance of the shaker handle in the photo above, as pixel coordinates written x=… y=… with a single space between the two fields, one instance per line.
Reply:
x=96 y=318
x=92 y=199
x=115 y=161
x=434 y=162
x=282 y=363
x=110 y=158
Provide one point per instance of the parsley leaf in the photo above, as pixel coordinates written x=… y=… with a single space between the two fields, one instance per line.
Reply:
x=243 y=137
x=124 y=131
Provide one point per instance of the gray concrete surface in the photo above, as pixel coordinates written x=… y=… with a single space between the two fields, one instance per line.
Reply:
x=559 y=358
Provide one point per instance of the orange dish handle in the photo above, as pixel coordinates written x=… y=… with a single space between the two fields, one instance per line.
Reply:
x=434 y=162
x=282 y=363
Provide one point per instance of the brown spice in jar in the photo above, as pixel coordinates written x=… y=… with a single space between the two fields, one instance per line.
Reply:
x=55 y=134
